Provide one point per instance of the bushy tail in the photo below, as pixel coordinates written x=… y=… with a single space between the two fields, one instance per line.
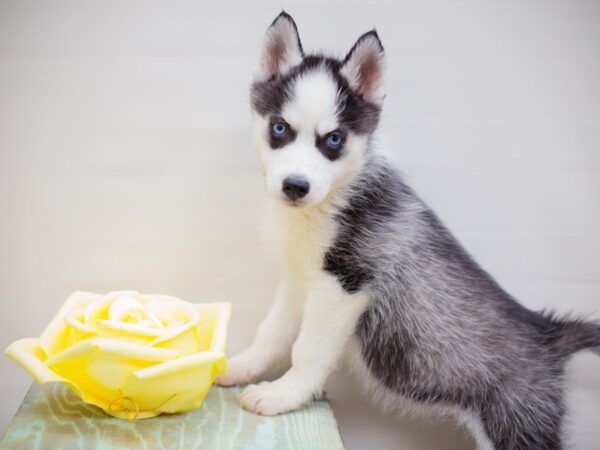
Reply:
x=573 y=335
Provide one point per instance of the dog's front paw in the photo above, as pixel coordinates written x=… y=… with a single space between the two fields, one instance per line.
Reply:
x=270 y=399
x=241 y=369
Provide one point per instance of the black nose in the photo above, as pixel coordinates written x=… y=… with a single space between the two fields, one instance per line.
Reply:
x=295 y=187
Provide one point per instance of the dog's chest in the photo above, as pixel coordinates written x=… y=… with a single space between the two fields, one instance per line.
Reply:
x=302 y=239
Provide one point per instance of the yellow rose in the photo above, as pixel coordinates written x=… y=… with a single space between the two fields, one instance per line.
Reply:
x=135 y=356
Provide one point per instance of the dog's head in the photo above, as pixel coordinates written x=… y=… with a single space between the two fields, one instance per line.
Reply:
x=313 y=115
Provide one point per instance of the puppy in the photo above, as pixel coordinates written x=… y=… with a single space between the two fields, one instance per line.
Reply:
x=371 y=273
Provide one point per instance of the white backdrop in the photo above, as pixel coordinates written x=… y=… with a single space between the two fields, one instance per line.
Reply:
x=126 y=161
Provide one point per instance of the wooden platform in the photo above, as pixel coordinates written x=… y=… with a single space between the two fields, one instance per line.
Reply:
x=52 y=417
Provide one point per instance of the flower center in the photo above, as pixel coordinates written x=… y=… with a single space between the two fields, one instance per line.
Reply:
x=127 y=309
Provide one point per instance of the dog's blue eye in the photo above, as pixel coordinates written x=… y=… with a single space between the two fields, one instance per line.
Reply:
x=334 y=141
x=279 y=129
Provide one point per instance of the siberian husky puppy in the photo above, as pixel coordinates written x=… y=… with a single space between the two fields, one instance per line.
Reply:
x=372 y=274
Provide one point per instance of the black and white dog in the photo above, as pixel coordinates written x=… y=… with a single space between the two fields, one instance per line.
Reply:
x=374 y=279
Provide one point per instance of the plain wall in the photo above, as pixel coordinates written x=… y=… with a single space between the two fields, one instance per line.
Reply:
x=126 y=160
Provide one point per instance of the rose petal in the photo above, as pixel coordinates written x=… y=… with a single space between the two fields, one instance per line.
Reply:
x=115 y=348
x=213 y=332
x=29 y=354
x=177 y=385
x=194 y=321
x=125 y=328
x=170 y=310
x=100 y=366
x=56 y=335
x=75 y=319
x=179 y=364
x=122 y=307
x=97 y=310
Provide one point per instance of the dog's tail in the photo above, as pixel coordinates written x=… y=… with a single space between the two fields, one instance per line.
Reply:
x=572 y=335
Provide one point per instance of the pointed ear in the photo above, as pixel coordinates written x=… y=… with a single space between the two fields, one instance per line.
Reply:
x=281 y=49
x=364 y=68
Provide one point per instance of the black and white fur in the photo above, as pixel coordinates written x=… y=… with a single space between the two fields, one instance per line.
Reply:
x=372 y=276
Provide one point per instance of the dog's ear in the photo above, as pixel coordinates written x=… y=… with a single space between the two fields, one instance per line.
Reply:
x=364 y=68
x=281 y=49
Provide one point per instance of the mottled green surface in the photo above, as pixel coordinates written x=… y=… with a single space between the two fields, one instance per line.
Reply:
x=52 y=417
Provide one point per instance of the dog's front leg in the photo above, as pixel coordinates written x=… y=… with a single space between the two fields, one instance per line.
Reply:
x=274 y=339
x=329 y=319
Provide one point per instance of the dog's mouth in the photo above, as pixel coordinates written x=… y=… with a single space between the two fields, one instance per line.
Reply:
x=294 y=203
x=298 y=203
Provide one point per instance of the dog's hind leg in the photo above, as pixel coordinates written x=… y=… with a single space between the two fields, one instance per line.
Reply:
x=472 y=422
x=531 y=424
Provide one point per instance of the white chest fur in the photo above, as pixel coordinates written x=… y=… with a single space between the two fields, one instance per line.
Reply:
x=301 y=238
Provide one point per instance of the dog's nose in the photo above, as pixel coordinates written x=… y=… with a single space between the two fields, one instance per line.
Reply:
x=295 y=187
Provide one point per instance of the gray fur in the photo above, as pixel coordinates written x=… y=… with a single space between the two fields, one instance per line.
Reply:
x=440 y=330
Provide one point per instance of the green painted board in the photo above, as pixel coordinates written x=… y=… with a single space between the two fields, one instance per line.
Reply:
x=52 y=417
